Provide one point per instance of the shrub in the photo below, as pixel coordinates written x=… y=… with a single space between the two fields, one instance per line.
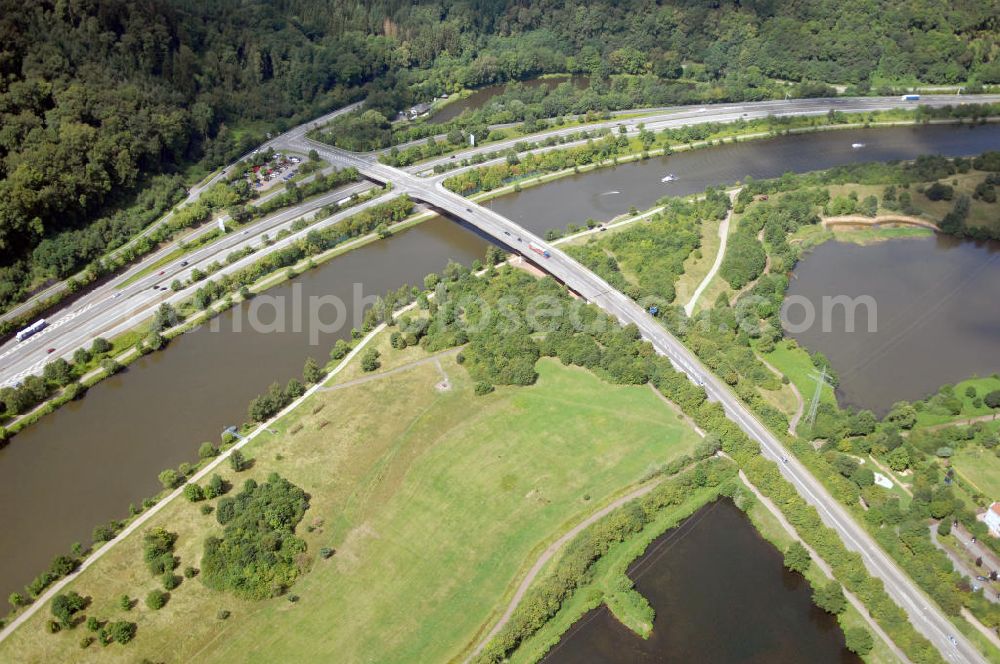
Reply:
x=830 y=598
x=125 y=603
x=483 y=388
x=157 y=599
x=939 y=192
x=325 y=552
x=216 y=487
x=190 y=572
x=194 y=493
x=858 y=640
x=170 y=478
x=370 y=360
x=339 y=350
x=797 y=558
x=256 y=557
x=170 y=581
x=222 y=614
x=158 y=550
x=237 y=461
x=121 y=631
x=64 y=606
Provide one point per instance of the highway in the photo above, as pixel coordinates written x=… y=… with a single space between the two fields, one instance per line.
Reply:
x=922 y=612
x=108 y=310
x=112 y=308
x=657 y=119
x=92 y=315
x=194 y=193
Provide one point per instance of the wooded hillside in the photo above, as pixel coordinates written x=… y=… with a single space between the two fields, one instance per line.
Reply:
x=98 y=96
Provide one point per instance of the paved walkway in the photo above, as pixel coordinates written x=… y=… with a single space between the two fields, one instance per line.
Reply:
x=964 y=567
x=723 y=241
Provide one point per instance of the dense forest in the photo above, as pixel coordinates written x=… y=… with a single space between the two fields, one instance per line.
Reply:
x=99 y=96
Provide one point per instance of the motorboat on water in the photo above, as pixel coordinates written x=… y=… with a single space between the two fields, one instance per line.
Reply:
x=857 y=146
x=669 y=177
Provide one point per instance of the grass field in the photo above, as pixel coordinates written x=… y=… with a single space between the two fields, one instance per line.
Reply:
x=717 y=286
x=980 y=213
x=434 y=502
x=983 y=386
x=980 y=467
x=697 y=265
x=793 y=361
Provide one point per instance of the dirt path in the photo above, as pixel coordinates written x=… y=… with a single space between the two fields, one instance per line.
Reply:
x=793 y=422
x=723 y=240
x=435 y=359
x=674 y=407
x=547 y=555
x=862 y=610
x=989 y=417
x=859 y=220
x=890 y=475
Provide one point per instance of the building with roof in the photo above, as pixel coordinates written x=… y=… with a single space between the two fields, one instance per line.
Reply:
x=992 y=519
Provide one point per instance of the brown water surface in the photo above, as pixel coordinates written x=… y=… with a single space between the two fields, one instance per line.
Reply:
x=85 y=463
x=722 y=596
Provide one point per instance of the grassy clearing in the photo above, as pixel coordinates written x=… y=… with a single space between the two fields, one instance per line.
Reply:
x=697 y=265
x=983 y=386
x=980 y=213
x=434 y=501
x=865 y=236
x=717 y=286
x=782 y=399
x=793 y=361
x=979 y=467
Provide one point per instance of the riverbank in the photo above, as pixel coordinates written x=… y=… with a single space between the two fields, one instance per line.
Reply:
x=288 y=444
x=237 y=413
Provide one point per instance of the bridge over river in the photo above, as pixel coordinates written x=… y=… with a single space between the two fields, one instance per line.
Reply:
x=923 y=613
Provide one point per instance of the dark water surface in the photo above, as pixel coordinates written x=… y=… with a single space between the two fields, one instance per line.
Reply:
x=722 y=596
x=483 y=95
x=84 y=464
x=935 y=315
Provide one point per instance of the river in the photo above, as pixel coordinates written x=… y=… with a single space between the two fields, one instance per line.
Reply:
x=688 y=575
x=85 y=463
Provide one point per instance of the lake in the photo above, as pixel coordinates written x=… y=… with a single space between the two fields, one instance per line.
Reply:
x=721 y=594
